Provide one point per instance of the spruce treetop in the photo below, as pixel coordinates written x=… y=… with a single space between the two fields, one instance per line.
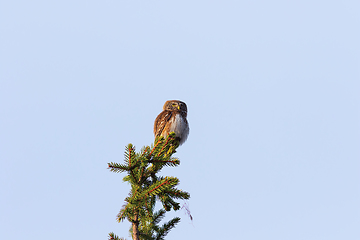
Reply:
x=147 y=187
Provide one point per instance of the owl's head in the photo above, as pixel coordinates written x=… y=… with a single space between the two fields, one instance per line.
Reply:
x=175 y=105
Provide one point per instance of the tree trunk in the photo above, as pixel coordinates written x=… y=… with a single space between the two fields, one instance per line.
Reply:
x=135 y=228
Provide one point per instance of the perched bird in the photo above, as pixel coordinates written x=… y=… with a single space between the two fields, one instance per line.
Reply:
x=172 y=119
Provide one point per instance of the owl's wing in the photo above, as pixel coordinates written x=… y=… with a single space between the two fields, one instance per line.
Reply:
x=160 y=122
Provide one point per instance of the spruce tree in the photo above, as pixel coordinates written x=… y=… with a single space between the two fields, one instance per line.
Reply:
x=147 y=188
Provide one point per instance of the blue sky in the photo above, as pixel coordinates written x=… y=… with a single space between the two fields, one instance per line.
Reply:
x=272 y=90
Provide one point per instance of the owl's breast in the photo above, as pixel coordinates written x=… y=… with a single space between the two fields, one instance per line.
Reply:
x=180 y=126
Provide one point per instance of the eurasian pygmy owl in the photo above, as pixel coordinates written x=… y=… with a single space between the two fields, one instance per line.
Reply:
x=172 y=119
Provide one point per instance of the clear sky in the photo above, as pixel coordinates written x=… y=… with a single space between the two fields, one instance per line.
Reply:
x=272 y=89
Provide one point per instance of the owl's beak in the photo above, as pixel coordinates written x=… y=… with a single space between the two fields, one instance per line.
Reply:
x=178 y=107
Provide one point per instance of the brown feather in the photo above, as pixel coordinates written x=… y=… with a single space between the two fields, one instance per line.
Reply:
x=161 y=121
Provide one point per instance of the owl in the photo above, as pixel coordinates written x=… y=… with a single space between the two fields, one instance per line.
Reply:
x=172 y=119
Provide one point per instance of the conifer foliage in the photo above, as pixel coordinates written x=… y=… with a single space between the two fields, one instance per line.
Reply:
x=147 y=187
